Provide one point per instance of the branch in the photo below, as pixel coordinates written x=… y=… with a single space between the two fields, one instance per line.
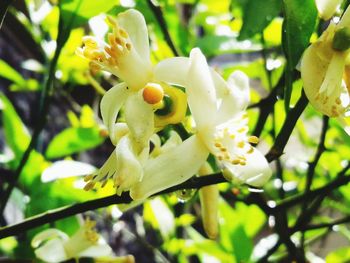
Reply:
x=340 y=180
x=157 y=11
x=63 y=212
x=324 y=225
x=287 y=128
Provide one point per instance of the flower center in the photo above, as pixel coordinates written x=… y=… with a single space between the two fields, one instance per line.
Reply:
x=231 y=143
x=153 y=93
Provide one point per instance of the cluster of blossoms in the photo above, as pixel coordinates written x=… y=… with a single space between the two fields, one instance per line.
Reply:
x=151 y=99
x=325 y=66
x=53 y=245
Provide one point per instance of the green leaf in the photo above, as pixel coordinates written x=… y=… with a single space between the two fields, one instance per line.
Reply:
x=257 y=15
x=80 y=11
x=242 y=244
x=298 y=26
x=16 y=133
x=339 y=255
x=8 y=72
x=73 y=140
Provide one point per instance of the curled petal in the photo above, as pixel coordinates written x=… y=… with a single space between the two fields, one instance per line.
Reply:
x=256 y=171
x=173 y=70
x=111 y=103
x=133 y=22
x=171 y=168
x=47 y=234
x=200 y=91
x=322 y=80
x=140 y=119
x=102 y=249
x=53 y=251
x=235 y=98
x=129 y=169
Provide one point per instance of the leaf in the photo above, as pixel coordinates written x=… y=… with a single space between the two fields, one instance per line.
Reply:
x=242 y=244
x=298 y=25
x=78 y=12
x=8 y=72
x=257 y=15
x=73 y=140
x=16 y=133
x=339 y=255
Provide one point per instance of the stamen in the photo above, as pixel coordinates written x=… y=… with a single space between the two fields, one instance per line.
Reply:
x=236 y=161
x=89 y=186
x=240 y=144
x=88 y=177
x=253 y=139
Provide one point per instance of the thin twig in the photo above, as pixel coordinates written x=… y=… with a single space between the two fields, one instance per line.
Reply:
x=157 y=11
x=63 y=212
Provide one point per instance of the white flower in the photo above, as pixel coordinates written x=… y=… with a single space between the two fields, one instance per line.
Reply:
x=53 y=245
x=325 y=71
x=327 y=8
x=146 y=100
x=218 y=109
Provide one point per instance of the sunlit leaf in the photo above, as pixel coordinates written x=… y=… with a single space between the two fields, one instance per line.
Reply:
x=73 y=140
x=257 y=15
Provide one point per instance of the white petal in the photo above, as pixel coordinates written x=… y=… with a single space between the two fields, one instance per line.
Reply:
x=66 y=168
x=129 y=169
x=111 y=103
x=201 y=91
x=50 y=233
x=327 y=8
x=236 y=97
x=171 y=168
x=52 y=251
x=140 y=119
x=334 y=74
x=345 y=19
x=172 y=70
x=102 y=249
x=314 y=71
x=256 y=172
x=133 y=22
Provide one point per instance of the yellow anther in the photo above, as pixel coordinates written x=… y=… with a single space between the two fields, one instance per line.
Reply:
x=242 y=130
x=220 y=157
x=253 y=139
x=128 y=46
x=236 y=161
x=89 y=186
x=251 y=150
x=153 y=93
x=242 y=162
x=88 y=177
x=232 y=135
x=217 y=144
x=240 y=144
x=223 y=149
x=338 y=101
x=123 y=34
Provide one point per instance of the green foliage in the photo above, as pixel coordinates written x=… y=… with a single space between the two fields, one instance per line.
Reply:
x=73 y=140
x=298 y=26
x=257 y=15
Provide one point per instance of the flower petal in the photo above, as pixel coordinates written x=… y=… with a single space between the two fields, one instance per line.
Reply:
x=140 y=119
x=52 y=251
x=201 y=91
x=322 y=79
x=255 y=172
x=129 y=169
x=327 y=8
x=172 y=70
x=50 y=233
x=235 y=98
x=171 y=168
x=133 y=22
x=100 y=250
x=111 y=103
